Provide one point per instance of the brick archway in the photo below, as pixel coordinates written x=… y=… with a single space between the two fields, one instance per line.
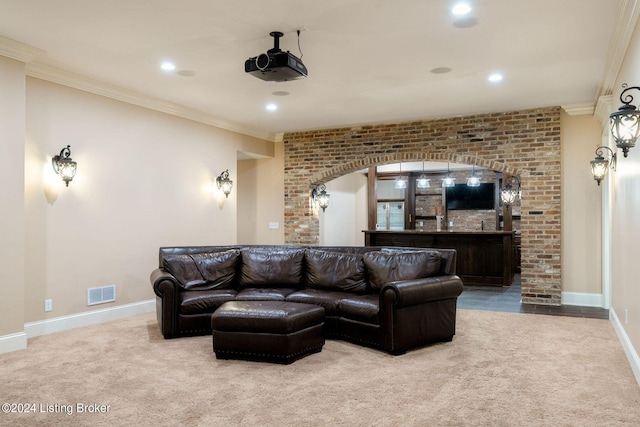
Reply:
x=356 y=165
x=526 y=143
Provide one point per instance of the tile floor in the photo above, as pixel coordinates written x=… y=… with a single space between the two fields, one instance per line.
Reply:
x=508 y=299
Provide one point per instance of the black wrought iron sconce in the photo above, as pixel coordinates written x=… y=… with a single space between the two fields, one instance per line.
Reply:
x=224 y=183
x=320 y=196
x=625 y=123
x=64 y=166
x=601 y=165
x=510 y=191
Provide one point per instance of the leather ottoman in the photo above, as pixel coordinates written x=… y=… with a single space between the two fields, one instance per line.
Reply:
x=270 y=331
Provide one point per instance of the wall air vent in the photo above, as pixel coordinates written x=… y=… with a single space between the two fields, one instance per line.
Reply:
x=101 y=295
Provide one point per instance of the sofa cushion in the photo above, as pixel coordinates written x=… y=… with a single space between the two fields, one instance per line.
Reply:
x=267 y=267
x=197 y=302
x=364 y=308
x=218 y=269
x=184 y=269
x=327 y=299
x=335 y=270
x=446 y=258
x=385 y=267
x=263 y=294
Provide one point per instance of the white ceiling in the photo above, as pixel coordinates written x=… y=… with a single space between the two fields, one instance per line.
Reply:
x=369 y=61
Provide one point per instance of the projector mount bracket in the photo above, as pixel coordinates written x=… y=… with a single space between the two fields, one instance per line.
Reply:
x=262 y=60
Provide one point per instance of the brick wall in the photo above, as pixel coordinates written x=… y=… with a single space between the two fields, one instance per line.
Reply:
x=525 y=143
x=471 y=220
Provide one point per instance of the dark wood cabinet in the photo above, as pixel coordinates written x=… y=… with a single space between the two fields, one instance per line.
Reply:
x=483 y=258
x=517 y=252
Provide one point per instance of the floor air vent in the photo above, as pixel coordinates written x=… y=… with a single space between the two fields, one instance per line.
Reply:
x=101 y=295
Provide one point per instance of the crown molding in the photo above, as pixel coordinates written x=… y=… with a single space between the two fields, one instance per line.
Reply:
x=628 y=16
x=76 y=81
x=578 y=109
x=19 y=51
x=603 y=109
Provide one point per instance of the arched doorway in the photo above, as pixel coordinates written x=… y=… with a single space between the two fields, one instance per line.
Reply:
x=524 y=143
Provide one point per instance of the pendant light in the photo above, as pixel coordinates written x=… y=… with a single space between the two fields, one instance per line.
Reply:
x=423 y=181
x=401 y=183
x=473 y=180
x=448 y=180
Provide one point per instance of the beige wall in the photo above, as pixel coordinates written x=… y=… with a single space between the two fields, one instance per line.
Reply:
x=12 y=227
x=261 y=199
x=625 y=211
x=341 y=224
x=145 y=179
x=581 y=207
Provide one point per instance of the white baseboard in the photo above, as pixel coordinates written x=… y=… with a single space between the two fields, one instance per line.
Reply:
x=13 y=342
x=58 y=324
x=632 y=354
x=583 y=299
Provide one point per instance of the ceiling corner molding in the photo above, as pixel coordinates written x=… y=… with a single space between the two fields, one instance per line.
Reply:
x=603 y=109
x=628 y=16
x=19 y=51
x=578 y=109
x=76 y=81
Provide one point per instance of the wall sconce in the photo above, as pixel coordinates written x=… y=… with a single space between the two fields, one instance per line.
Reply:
x=473 y=180
x=625 y=123
x=320 y=196
x=448 y=180
x=224 y=183
x=64 y=166
x=600 y=165
x=510 y=191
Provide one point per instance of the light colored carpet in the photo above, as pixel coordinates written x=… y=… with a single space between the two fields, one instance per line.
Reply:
x=501 y=369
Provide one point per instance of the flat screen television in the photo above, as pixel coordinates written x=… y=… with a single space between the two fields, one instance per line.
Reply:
x=461 y=197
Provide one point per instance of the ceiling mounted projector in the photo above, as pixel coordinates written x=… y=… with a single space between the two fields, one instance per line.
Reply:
x=276 y=65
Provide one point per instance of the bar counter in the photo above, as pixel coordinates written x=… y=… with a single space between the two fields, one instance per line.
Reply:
x=484 y=258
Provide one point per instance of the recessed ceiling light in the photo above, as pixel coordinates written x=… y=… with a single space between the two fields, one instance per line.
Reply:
x=461 y=8
x=168 y=66
x=280 y=93
x=271 y=107
x=495 y=77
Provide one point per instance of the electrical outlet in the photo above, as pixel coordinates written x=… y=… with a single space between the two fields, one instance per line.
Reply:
x=48 y=305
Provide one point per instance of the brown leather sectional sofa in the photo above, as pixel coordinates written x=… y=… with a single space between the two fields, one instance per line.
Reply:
x=392 y=299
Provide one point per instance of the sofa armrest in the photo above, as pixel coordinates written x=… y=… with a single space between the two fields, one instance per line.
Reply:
x=418 y=312
x=419 y=291
x=167 y=289
x=163 y=282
